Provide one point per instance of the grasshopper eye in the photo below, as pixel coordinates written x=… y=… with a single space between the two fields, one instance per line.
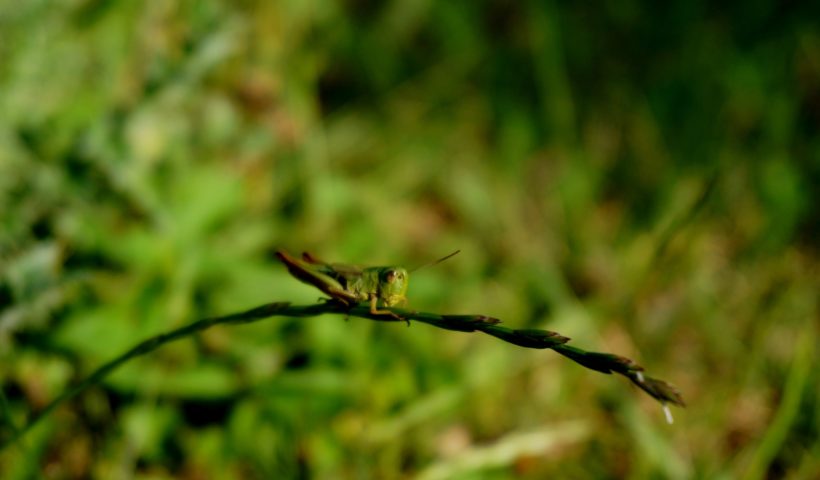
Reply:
x=390 y=276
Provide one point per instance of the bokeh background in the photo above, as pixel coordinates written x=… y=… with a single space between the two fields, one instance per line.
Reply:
x=644 y=179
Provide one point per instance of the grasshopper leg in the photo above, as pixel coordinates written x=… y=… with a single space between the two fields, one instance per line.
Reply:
x=375 y=311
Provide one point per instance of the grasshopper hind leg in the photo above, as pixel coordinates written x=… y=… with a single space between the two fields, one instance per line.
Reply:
x=311 y=259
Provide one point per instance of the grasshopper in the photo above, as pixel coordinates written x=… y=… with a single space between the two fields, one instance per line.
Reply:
x=352 y=284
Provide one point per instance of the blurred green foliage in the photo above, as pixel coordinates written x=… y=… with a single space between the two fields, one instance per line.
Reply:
x=643 y=179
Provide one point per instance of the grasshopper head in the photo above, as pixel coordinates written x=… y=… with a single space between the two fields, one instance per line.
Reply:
x=393 y=285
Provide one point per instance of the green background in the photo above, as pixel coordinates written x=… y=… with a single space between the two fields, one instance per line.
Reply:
x=642 y=178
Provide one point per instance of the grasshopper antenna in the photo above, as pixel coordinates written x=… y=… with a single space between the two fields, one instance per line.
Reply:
x=435 y=262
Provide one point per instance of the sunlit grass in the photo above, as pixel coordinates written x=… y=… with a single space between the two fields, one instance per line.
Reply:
x=643 y=183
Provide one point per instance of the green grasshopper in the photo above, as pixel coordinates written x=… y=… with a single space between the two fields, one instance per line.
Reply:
x=352 y=284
